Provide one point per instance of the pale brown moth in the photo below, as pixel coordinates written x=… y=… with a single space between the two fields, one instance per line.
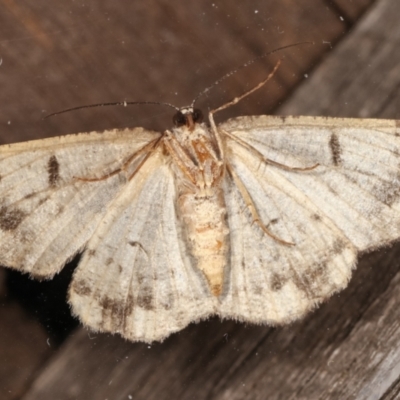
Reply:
x=258 y=219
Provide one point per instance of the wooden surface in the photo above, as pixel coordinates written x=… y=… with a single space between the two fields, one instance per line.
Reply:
x=77 y=53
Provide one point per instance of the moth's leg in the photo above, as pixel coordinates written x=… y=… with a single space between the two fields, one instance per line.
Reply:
x=267 y=160
x=209 y=147
x=148 y=148
x=216 y=134
x=116 y=171
x=233 y=102
x=182 y=159
x=252 y=208
x=145 y=158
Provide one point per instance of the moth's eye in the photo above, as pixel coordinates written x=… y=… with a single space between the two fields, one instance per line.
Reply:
x=197 y=115
x=179 y=119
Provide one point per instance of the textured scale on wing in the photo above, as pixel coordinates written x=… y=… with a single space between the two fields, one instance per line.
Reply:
x=270 y=282
x=136 y=278
x=357 y=182
x=41 y=195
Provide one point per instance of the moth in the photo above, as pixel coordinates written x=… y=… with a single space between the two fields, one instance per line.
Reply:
x=258 y=219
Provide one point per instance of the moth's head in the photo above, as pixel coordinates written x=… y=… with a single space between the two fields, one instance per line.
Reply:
x=187 y=116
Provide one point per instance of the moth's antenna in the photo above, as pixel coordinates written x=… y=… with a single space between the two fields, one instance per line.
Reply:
x=246 y=64
x=217 y=82
x=118 y=103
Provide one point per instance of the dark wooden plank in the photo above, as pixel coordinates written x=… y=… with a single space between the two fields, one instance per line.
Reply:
x=369 y=80
x=225 y=360
x=24 y=348
x=349 y=10
x=73 y=53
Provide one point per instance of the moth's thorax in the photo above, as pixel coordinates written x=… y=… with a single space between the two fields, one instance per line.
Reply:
x=196 y=158
x=199 y=171
x=187 y=137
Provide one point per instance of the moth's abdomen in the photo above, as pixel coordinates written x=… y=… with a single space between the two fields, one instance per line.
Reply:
x=206 y=229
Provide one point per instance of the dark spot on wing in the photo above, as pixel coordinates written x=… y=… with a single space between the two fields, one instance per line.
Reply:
x=53 y=169
x=145 y=300
x=311 y=281
x=81 y=288
x=29 y=196
x=112 y=310
x=388 y=192
x=338 y=246
x=10 y=218
x=42 y=201
x=129 y=305
x=60 y=210
x=277 y=282
x=335 y=149
x=109 y=261
x=91 y=252
x=302 y=282
x=316 y=217
x=110 y=305
x=318 y=273
x=274 y=221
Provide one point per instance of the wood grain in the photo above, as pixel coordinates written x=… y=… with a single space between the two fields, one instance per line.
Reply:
x=81 y=53
x=349 y=11
x=23 y=350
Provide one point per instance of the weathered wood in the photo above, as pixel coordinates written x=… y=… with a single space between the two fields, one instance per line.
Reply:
x=20 y=361
x=349 y=11
x=321 y=357
x=367 y=84
x=23 y=349
x=81 y=53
